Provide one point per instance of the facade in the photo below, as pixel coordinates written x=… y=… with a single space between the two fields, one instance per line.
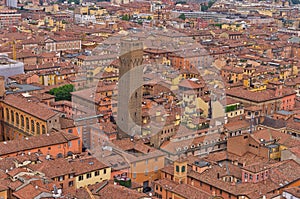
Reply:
x=144 y=161
x=11 y=3
x=226 y=182
x=56 y=144
x=20 y=121
x=89 y=171
x=9 y=18
x=59 y=44
x=269 y=100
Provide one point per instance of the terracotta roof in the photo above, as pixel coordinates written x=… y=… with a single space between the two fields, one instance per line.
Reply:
x=295 y=191
x=236 y=125
x=85 y=165
x=35 y=142
x=186 y=83
x=30 y=191
x=21 y=103
x=258 y=96
x=108 y=190
x=184 y=190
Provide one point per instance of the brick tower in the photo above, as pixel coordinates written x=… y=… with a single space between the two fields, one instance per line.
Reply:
x=129 y=115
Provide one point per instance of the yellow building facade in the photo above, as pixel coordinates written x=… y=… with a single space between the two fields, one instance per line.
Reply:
x=92 y=177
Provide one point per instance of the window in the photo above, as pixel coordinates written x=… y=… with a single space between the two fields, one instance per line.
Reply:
x=156 y=187
x=43 y=129
x=69 y=144
x=177 y=168
x=27 y=124
x=146 y=162
x=32 y=126
x=183 y=169
x=12 y=115
x=22 y=121
x=7 y=114
x=134 y=175
x=80 y=178
x=71 y=176
x=61 y=178
x=71 y=184
x=104 y=171
x=146 y=172
x=88 y=175
x=38 y=128
x=155 y=169
x=96 y=173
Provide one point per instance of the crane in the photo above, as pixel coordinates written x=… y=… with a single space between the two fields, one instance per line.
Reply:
x=14 y=49
x=90 y=193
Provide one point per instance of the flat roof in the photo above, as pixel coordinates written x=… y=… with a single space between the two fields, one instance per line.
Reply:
x=20 y=88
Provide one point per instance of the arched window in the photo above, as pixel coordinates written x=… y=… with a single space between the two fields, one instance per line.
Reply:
x=27 y=124
x=17 y=119
x=7 y=114
x=22 y=121
x=12 y=115
x=38 y=128
x=43 y=129
x=32 y=126
x=183 y=169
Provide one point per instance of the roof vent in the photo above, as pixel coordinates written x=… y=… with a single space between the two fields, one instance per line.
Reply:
x=91 y=163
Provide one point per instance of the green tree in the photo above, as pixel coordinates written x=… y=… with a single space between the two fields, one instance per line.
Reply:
x=210 y=3
x=182 y=16
x=125 y=17
x=62 y=92
x=149 y=18
x=140 y=22
x=204 y=7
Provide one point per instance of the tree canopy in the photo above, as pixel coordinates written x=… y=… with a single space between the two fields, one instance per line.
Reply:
x=182 y=16
x=62 y=92
x=126 y=17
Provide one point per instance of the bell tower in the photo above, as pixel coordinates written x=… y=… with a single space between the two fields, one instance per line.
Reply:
x=180 y=171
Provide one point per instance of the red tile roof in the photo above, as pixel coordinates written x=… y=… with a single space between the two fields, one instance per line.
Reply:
x=29 y=107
